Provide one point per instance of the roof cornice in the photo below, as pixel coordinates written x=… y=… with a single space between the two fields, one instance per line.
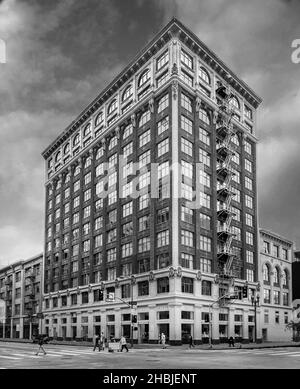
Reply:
x=173 y=29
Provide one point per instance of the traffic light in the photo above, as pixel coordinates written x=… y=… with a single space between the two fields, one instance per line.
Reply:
x=134 y=319
x=245 y=291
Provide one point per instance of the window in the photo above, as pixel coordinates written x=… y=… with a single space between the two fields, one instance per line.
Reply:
x=236 y=232
x=163 y=169
x=143 y=223
x=267 y=246
x=187 y=238
x=163 y=285
x=112 y=235
x=143 y=265
x=206 y=288
x=126 y=250
x=112 y=197
x=203 y=115
x=128 y=130
x=249 y=238
x=284 y=254
x=163 y=103
x=204 y=157
x=144 y=244
x=186 y=124
x=285 y=298
x=113 y=143
x=285 y=279
x=111 y=254
x=186 y=260
x=144 y=159
x=163 y=125
x=187 y=214
x=205 y=243
x=87 y=195
x=248 y=165
x=249 y=275
x=127 y=209
x=143 y=288
x=249 y=201
x=204 y=75
x=162 y=238
x=205 y=265
x=128 y=149
x=186 y=103
x=98 y=240
x=163 y=260
x=187 y=78
x=144 y=201
x=186 y=59
x=128 y=92
x=162 y=60
x=186 y=147
x=86 y=211
x=248 y=183
x=187 y=285
x=112 y=108
x=84 y=298
x=267 y=296
x=163 y=147
x=204 y=136
x=266 y=273
x=249 y=256
x=187 y=169
x=276 y=297
x=276 y=251
x=204 y=200
x=162 y=79
x=234 y=102
x=144 y=78
x=125 y=291
x=204 y=178
x=248 y=113
x=276 y=275
x=127 y=229
x=248 y=147
x=144 y=138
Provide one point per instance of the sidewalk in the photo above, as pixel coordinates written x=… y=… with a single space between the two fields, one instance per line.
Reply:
x=222 y=346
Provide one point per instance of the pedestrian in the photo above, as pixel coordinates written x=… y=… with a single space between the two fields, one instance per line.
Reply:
x=231 y=341
x=163 y=340
x=40 y=343
x=102 y=341
x=123 y=344
x=191 y=341
x=97 y=342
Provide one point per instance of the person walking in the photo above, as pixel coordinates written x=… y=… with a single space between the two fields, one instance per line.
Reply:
x=191 y=342
x=163 y=340
x=97 y=342
x=123 y=344
x=102 y=341
x=231 y=342
x=40 y=343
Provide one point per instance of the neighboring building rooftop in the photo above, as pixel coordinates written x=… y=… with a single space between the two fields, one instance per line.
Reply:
x=273 y=235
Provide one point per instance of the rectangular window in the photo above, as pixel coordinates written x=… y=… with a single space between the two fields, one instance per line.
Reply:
x=162 y=238
x=186 y=124
x=187 y=147
x=163 y=103
x=163 y=125
x=144 y=244
x=249 y=256
x=143 y=288
x=127 y=209
x=126 y=250
x=205 y=265
x=111 y=254
x=249 y=238
x=186 y=103
x=248 y=147
x=162 y=60
x=187 y=285
x=144 y=159
x=206 y=288
x=205 y=243
x=186 y=260
x=144 y=138
x=187 y=214
x=250 y=275
x=163 y=285
x=186 y=59
x=248 y=183
x=204 y=136
x=98 y=241
x=163 y=147
x=204 y=157
x=187 y=78
x=249 y=220
x=248 y=165
x=249 y=201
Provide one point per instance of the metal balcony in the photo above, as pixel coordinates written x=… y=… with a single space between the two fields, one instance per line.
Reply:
x=223 y=92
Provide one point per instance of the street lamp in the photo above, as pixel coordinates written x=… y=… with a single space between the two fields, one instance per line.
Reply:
x=255 y=303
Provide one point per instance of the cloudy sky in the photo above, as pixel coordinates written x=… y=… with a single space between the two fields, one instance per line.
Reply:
x=61 y=54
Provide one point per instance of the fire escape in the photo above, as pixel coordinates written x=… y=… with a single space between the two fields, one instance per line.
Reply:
x=225 y=152
x=29 y=301
x=8 y=301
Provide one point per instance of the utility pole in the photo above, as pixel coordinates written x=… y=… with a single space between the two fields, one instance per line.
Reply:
x=255 y=303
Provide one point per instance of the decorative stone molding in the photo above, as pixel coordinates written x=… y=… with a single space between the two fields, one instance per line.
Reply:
x=175 y=69
x=133 y=120
x=175 y=89
x=198 y=103
x=199 y=275
x=179 y=272
x=171 y=272
x=151 y=105
x=117 y=283
x=151 y=276
x=102 y=285
x=133 y=280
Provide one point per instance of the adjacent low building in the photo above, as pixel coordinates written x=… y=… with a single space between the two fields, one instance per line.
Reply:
x=275 y=275
x=20 y=289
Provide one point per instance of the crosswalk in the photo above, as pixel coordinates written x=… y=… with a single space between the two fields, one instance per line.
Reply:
x=256 y=352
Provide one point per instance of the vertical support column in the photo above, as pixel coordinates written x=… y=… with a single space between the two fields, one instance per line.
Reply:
x=215 y=325
x=258 y=325
x=231 y=322
x=153 y=330
x=22 y=329
x=175 y=324
x=117 y=323
x=90 y=325
x=197 y=322
x=245 y=326
x=68 y=324
x=103 y=322
x=175 y=175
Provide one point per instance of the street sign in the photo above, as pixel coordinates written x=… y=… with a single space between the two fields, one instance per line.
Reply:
x=132 y=303
x=39 y=315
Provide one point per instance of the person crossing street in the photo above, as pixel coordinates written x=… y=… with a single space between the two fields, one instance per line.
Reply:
x=41 y=343
x=123 y=344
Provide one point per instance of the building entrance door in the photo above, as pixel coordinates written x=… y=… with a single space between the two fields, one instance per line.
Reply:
x=251 y=333
x=264 y=335
x=164 y=328
x=144 y=333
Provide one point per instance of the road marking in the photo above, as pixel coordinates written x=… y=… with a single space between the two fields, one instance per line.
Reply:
x=4 y=356
x=25 y=355
x=294 y=355
x=286 y=353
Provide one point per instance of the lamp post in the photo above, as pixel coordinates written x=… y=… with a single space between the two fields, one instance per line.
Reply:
x=255 y=303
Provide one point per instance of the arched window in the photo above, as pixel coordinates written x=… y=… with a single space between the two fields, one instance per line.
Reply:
x=235 y=140
x=276 y=275
x=144 y=118
x=128 y=92
x=203 y=115
x=67 y=148
x=87 y=162
x=266 y=273
x=87 y=131
x=76 y=140
x=144 y=77
x=99 y=119
x=58 y=156
x=204 y=75
x=285 y=277
x=234 y=102
x=112 y=107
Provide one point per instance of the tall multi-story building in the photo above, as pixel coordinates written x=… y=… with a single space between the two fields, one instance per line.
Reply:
x=275 y=276
x=175 y=226
x=20 y=289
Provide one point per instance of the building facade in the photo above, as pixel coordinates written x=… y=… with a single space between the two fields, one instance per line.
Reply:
x=174 y=227
x=275 y=274
x=20 y=288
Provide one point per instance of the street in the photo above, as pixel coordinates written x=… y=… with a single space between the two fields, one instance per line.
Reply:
x=22 y=356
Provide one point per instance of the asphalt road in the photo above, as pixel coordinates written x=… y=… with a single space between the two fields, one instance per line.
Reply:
x=22 y=356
